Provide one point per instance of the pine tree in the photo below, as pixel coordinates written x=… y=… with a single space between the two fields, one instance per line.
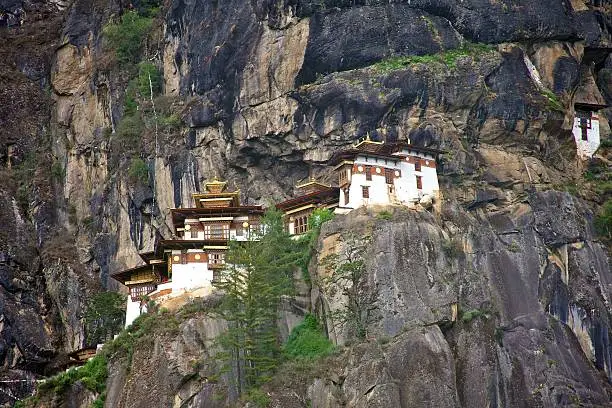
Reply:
x=258 y=273
x=104 y=317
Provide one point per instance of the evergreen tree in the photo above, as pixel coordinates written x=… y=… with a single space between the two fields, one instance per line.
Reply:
x=258 y=273
x=104 y=316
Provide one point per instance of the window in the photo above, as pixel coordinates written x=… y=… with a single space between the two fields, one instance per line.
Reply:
x=300 y=224
x=389 y=176
x=216 y=231
x=343 y=176
x=137 y=292
x=365 y=191
x=368 y=172
x=585 y=123
x=417 y=165
x=194 y=233
x=239 y=230
x=346 y=196
x=419 y=181
x=216 y=259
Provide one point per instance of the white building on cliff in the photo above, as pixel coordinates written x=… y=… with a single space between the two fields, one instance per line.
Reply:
x=190 y=260
x=385 y=173
x=588 y=101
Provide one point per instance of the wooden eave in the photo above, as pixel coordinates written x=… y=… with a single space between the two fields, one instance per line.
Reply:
x=124 y=275
x=318 y=197
x=589 y=106
x=148 y=256
x=179 y=215
x=384 y=151
x=313 y=183
x=84 y=352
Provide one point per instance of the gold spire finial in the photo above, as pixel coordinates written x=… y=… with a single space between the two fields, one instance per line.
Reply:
x=215 y=186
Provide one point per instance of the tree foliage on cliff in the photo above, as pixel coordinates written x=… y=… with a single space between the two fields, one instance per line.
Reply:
x=126 y=36
x=104 y=316
x=603 y=222
x=258 y=273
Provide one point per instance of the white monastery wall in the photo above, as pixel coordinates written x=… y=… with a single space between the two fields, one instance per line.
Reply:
x=191 y=276
x=132 y=311
x=405 y=186
x=587 y=148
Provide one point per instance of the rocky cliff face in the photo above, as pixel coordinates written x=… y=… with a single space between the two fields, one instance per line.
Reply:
x=267 y=89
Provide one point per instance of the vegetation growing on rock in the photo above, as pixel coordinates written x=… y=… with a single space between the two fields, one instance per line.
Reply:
x=448 y=58
x=104 y=316
x=258 y=273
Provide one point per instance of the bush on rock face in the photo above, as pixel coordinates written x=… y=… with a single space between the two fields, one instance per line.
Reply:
x=603 y=222
x=126 y=37
x=308 y=341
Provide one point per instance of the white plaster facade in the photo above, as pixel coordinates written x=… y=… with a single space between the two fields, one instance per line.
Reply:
x=132 y=311
x=406 y=176
x=586 y=133
x=190 y=275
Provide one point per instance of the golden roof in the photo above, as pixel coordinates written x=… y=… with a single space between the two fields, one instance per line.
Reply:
x=215 y=186
x=311 y=182
x=366 y=142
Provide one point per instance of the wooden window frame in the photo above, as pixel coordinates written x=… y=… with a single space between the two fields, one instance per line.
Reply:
x=417 y=165
x=389 y=176
x=368 y=173
x=365 y=191
x=419 y=182
x=216 y=227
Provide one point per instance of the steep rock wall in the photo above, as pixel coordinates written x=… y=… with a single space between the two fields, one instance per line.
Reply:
x=268 y=89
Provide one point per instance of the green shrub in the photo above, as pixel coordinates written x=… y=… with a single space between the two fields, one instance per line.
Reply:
x=139 y=171
x=147 y=70
x=319 y=217
x=170 y=122
x=307 y=340
x=603 y=222
x=99 y=402
x=384 y=215
x=448 y=58
x=93 y=376
x=257 y=397
x=149 y=8
x=130 y=104
x=57 y=171
x=470 y=315
x=553 y=100
x=128 y=132
x=126 y=37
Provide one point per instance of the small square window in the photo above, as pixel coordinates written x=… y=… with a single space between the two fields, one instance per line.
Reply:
x=365 y=191
x=194 y=233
